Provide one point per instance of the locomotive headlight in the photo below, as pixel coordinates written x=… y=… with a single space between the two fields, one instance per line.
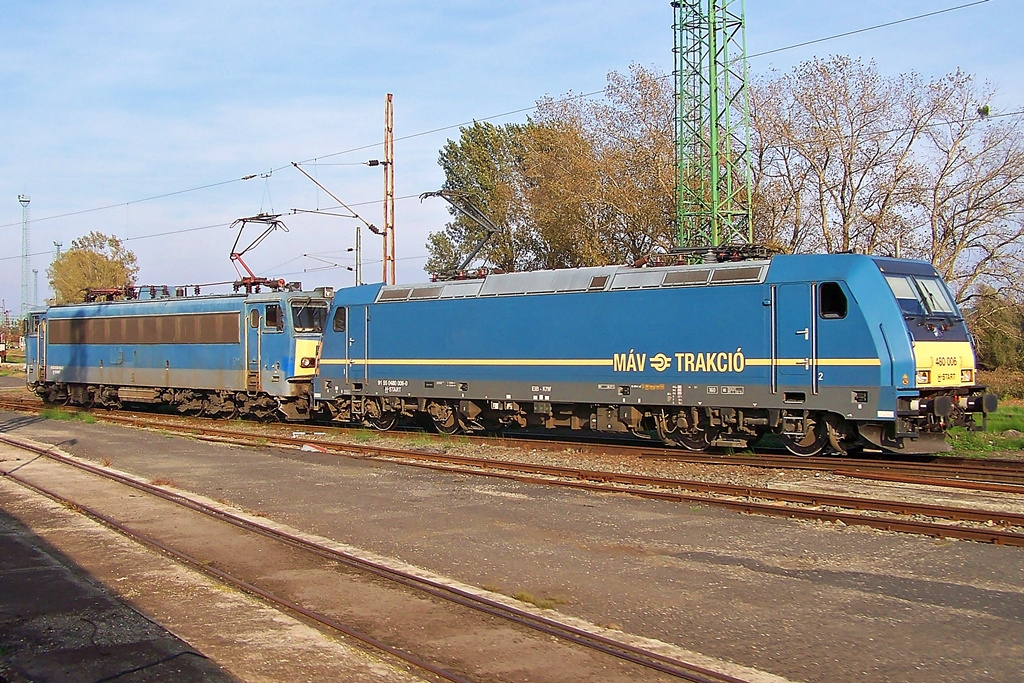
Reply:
x=307 y=362
x=967 y=376
x=924 y=377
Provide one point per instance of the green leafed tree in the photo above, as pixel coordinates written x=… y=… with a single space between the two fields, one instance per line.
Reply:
x=997 y=323
x=93 y=261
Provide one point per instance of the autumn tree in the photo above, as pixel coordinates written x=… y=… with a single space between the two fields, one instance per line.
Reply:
x=93 y=261
x=601 y=172
x=582 y=183
x=484 y=168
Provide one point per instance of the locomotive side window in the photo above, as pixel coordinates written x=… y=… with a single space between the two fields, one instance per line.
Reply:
x=273 y=321
x=191 y=328
x=254 y=318
x=831 y=301
x=339 y=320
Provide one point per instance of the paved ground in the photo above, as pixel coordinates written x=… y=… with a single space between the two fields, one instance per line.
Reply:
x=802 y=600
x=80 y=602
x=60 y=625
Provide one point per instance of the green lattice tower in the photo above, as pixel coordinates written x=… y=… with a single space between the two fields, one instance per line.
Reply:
x=712 y=124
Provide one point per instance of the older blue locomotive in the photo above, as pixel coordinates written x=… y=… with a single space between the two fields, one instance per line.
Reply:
x=239 y=354
x=835 y=352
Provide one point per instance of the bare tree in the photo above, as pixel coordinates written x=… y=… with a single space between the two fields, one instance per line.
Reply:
x=970 y=192
x=835 y=141
x=846 y=159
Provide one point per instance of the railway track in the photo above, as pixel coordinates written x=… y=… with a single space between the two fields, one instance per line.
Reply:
x=487 y=612
x=995 y=475
x=942 y=521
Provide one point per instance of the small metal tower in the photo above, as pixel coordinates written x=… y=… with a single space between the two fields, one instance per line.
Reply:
x=712 y=126
x=26 y=266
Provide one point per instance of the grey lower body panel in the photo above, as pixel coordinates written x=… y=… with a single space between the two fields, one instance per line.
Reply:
x=839 y=400
x=171 y=378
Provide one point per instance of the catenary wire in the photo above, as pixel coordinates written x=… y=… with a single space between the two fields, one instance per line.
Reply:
x=488 y=118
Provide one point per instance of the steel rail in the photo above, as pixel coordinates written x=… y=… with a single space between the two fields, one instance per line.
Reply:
x=736 y=490
x=227 y=578
x=645 y=658
x=996 y=536
x=470 y=465
x=943 y=470
x=562 y=476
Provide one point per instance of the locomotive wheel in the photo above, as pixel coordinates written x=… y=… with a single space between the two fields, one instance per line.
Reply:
x=444 y=418
x=699 y=440
x=813 y=440
x=265 y=416
x=221 y=408
x=448 y=426
x=194 y=411
x=384 y=422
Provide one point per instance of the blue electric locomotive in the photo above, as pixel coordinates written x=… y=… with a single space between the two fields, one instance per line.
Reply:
x=250 y=355
x=832 y=352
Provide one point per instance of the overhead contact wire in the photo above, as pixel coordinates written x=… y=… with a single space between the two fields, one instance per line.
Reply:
x=493 y=117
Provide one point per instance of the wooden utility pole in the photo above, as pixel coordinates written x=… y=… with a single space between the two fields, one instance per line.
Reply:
x=389 y=191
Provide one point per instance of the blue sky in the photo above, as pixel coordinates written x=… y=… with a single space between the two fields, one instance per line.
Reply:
x=107 y=104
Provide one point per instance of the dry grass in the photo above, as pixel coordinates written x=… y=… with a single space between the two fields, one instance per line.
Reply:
x=1006 y=384
x=543 y=603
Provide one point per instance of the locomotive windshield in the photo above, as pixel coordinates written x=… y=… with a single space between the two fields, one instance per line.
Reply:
x=309 y=316
x=920 y=295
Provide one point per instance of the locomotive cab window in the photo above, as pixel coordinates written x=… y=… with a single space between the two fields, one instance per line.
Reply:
x=339 y=320
x=920 y=295
x=254 y=319
x=831 y=301
x=309 y=316
x=273 y=320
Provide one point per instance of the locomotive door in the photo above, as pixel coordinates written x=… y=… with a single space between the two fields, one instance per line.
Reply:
x=358 y=344
x=795 y=360
x=253 y=350
x=40 y=323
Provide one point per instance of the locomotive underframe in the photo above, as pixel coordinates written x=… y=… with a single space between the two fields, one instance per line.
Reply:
x=806 y=424
x=227 y=404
